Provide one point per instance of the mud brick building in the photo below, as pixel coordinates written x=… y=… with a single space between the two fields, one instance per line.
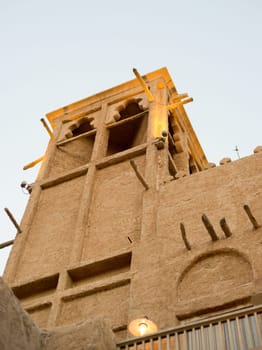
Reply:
x=128 y=221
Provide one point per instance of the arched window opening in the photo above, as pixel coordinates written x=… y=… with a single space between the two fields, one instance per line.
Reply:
x=130 y=130
x=84 y=126
x=131 y=109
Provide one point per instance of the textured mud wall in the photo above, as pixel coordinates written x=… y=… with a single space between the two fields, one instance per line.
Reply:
x=50 y=236
x=212 y=276
x=218 y=192
x=71 y=155
x=100 y=303
x=115 y=212
x=89 y=335
x=18 y=332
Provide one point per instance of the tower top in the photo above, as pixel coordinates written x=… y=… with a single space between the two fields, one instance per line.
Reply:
x=134 y=91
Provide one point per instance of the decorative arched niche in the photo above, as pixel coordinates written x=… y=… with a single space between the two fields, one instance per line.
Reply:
x=129 y=128
x=126 y=108
x=75 y=146
x=214 y=281
x=79 y=127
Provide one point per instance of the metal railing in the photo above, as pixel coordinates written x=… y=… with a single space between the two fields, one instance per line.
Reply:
x=238 y=330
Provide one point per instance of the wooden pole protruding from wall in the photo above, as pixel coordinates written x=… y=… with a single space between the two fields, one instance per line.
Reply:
x=251 y=217
x=32 y=164
x=6 y=244
x=210 y=228
x=178 y=97
x=180 y=103
x=11 y=217
x=50 y=133
x=225 y=227
x=184 y=237
x=139 y=176
x=143 y=84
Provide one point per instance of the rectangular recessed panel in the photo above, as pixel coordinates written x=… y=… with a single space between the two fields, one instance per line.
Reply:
x=37 y=287
x=115 y=213
x=51 y=233
x=109 y=303
x=101 y=269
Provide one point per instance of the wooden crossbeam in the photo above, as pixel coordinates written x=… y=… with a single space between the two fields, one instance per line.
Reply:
x=144 y=85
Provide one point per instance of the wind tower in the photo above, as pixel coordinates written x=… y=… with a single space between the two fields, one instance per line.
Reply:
x=121 y=179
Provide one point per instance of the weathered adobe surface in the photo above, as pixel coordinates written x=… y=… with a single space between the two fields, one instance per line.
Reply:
x=18 y=332
x=212 y=276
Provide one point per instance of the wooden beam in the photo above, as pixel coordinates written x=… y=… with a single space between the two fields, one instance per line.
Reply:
x=178 y=97
x=6 y=244
x=225 y=227
x=210 y=228
x=126 y=120
x=251 y=217
x=172 y=164
x=73 y=138
x=144 y=85
x=11 y=217
x=139 y=176
x=50 y=133
x=32 y=164
x=179 y=104
x=183 y=233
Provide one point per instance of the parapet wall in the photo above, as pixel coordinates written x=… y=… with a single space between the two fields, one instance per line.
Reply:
x=211 y=276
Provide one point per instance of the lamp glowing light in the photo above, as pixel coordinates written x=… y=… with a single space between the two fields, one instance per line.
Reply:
x=141 y=327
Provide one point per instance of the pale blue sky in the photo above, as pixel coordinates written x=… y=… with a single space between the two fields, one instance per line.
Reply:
x=56 y=52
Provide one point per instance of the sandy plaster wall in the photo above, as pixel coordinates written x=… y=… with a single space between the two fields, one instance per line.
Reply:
x=50 y=237
x=162 y=259
x=115 y=212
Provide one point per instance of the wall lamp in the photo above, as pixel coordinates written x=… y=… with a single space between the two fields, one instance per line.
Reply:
x=142 y=326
